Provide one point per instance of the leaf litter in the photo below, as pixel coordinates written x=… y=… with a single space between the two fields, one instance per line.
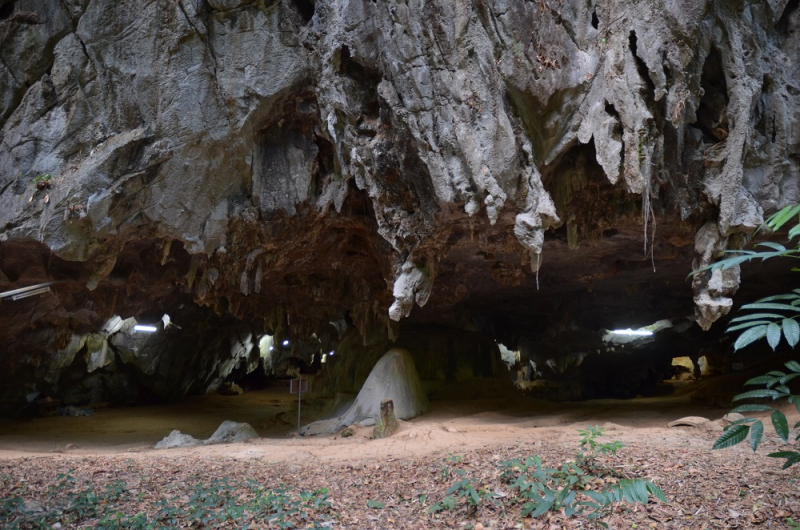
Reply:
x=732 y=488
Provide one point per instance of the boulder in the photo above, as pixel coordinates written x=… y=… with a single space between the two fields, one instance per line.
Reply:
x=177 y=439
x=232 y=432
x=394 y=377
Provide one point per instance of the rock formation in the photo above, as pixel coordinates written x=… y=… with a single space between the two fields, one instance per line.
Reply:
x=293 y=168
x=393 y=378
x=228 y=432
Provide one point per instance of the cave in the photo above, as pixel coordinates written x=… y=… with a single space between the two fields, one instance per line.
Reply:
x=371 y=264
x=711 y=115
x=495 y=210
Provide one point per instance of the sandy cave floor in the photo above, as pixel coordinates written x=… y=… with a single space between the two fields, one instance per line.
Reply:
x=707 y=489
x=273 y=413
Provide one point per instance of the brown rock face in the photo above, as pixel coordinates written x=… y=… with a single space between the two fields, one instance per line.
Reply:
x=341 y=174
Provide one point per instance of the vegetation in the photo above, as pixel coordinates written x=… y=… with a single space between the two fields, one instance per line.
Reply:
x=579 y=488
x=219 y=502
x=42 y=182
x=773 y=318
x=518 y=487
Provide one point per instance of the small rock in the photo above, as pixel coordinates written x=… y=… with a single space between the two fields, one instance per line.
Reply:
x=56 y=526
x=732 y=417
x=388 y=424
x=177 y=439
x=230 y=389
x=452 y=429
x=70 y=446
x=347 y=432
x=232 y=432
x=688 y=421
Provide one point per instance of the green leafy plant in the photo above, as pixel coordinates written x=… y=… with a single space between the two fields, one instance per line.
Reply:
x=775 y=388
x=218 y=503
x=448 y=503
x=375 y=504
x=577 y=488
x=42 y=182
x=460 y=491
x=580 y=487
x=589 y=441
x=454 y=458
x=773 y=318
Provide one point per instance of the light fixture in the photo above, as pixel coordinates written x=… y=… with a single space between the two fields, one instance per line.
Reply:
x=145 y=329
x=271 y=348
x=24 y=292
x=286 y=343
x=635 y=332
x=330 y=352
x=33 y=292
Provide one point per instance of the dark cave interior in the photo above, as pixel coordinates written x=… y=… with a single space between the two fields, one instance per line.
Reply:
x=491 y=325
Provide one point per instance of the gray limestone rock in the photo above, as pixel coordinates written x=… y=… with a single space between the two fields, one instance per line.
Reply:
x=454 y=97
x=227 y=432
x=232 y=432
x=177 y=439
x=393 y=377
x=292 y=162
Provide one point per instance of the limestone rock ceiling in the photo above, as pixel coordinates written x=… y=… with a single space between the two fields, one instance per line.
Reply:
x=521 y=169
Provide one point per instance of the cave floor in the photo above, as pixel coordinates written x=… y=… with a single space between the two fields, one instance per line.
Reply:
x=393 y=482
x=450 y=425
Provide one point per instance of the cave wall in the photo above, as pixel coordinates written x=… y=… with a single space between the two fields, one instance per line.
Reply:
x=352 y=159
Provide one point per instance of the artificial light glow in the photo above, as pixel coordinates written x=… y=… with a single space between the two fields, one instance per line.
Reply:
x=629 y=331
x=286 y=343
x=146 y=329
x=24 y=292
x=330 y=352
x=41 y=290
x=271 y=348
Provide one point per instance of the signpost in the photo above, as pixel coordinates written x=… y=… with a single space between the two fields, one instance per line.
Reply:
x=299 y=387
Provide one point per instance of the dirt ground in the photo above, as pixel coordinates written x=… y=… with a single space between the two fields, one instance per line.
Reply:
x=454 y=424
x=733 y=488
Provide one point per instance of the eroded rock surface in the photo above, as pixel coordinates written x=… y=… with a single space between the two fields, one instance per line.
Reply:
x=393 y=378
x=256 y=167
